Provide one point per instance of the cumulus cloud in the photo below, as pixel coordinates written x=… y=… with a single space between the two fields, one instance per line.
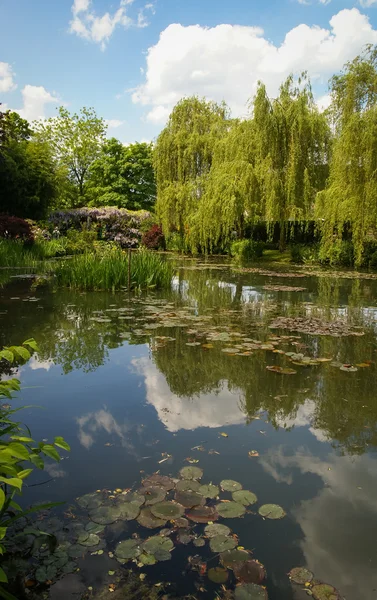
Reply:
x=35 y=99
x=87 y=24
x=368 y=3
x=225 y=62
x=7 y=83
x=114 y=123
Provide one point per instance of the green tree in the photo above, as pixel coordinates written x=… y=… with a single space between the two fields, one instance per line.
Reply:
x=76 y=142
x=123 y=176
x=351 y=196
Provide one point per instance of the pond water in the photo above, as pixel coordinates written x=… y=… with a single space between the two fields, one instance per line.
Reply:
x=139 y=384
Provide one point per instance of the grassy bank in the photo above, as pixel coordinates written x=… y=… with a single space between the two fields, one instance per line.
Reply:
x=15 y=253
x=110 y=271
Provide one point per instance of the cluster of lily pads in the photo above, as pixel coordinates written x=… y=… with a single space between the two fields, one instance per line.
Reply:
x=315 y=588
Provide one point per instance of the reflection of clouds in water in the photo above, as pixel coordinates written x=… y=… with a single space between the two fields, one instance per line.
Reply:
x=55 y=470
x=34 y=364
x=303 y=418
x=340 y=523
x=206 y=410
x=102 y=420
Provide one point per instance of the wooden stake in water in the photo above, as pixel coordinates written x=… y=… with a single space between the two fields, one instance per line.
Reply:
x=129 y=269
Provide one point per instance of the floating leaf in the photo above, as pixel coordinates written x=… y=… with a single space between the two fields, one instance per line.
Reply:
x=199 y=542
x=162 y=555
x=250 y=591
x=146 y=519
x=190 y=499
x=129 y=510
x=147 y=559
x=324 y=591
x=271 y=511
x=92 y=527
x=230 y=510
x=191 y=473
x=348 y=368
x=153 y=495
x=220 y=543
x=48 y=573
x=230 y=558
x=157 y=542
x=75 y=551
x=187 y=485
x=203 y=514
x=228 y=485
x=209 y=490
x=159 y=481
x=253 y=453
x=128 y=549
x=89 y=540
x=184 y=537
x=300 y=575
x=218 y=575
x=249 y=571
x=105 y=515
x=90 y=501
x=223 y=434
x=167 y=510
x=281 y=370
x=216 y=529
x=181 y=522
x=244 y=497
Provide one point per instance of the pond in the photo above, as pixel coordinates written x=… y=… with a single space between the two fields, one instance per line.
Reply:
x=266 y=379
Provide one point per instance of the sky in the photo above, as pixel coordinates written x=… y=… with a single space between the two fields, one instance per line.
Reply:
x=132 y=60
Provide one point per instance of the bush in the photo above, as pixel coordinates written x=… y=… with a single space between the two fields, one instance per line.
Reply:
x=244 y=250
x=14 y=228
x=154 y=238
x=296 y=254
x=78 y=242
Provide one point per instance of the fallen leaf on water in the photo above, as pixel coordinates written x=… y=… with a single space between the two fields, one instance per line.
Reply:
x=111 y=572
x=142 y=576
x=213 y=452
x=262 y=432
x=253 y=453
x=223 y=434
x=191 y=460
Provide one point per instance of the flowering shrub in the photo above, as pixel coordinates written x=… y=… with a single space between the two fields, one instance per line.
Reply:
x=15 y=228
x=154 y=238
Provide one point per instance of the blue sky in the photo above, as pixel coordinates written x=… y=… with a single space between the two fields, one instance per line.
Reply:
x=132 y=60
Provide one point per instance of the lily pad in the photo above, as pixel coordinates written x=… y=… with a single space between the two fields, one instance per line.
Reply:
x=69 y=567
x=228 y=485
x=159 y=481
x=218 y=575
x=230 y=510
x=230 y=558
x=250 y=591
x=153 y=495
x=75 y=551
x=136 y=498
x=324 y=591
x=348 y=368
x=88 y=540
x=203 y=514
x=184 y=537
x=92 y=527
x=209 y=490
x=44 y=574
x=105 y=515
x=146 y=519
x=220 y=543
x=190 y=499
x=212 y=531
x=128 y=549
x=167 y=510
x=129 y=511
x=191 y=473
x=244 y=497
x=199 y=542
x=271 y=511
x=162 y=555
x=157 y=542
x=147 y=559
x=187 y=485
x=300 y=575
x=181 y=522
x=250 y=571
x=90 y=501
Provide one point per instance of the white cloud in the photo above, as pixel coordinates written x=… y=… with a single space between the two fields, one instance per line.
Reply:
x=35 y=99
x=323 y=102
x=225 y=62
x=99 y=29
x=7 y=83
x=114 y=123
x=368 y=3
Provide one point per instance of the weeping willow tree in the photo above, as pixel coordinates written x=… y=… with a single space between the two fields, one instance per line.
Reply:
x=351 y=196
x=182 y=159
x=292 y=142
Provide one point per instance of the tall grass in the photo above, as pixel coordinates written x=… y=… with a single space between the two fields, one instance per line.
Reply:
x=14 y=253
x=110 y=271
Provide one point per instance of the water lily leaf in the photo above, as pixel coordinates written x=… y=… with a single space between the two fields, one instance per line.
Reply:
x=230 y=510
x=159 y=481
x=90 y=539
x=157 y=542
x=146 y=519
x=218 y=575
x=167 y=510
x=187 y=485
x=348 y=368
x=220 y=543
x=203 y=514
x=153 y=495
x=216 y=529
x=324 y=591
x=209 y=490
x=250 y=591
x=271 y=511
x=134 y=497
x=191 y=473
x=230 y=558
x=181 y=522
x=184 y=537
x=75 y=551
x=44 y=574
x=228 y=485
x=244 y=497
x=90 y=501
x=105 y=515
x=281 y=370
x=69 y=567
x=128 y=549
x=129 y=511
x=190 y=499
x=162 y=555
x=92 y=527
x=147 y=559
x=199 y=542
x=300 y=575
x=250 y=571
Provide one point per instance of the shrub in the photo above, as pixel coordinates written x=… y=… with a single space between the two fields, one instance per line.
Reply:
x=154 y=238
x=244 y=250
x=296 y=254
x=78 y=242
x=14 y=228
